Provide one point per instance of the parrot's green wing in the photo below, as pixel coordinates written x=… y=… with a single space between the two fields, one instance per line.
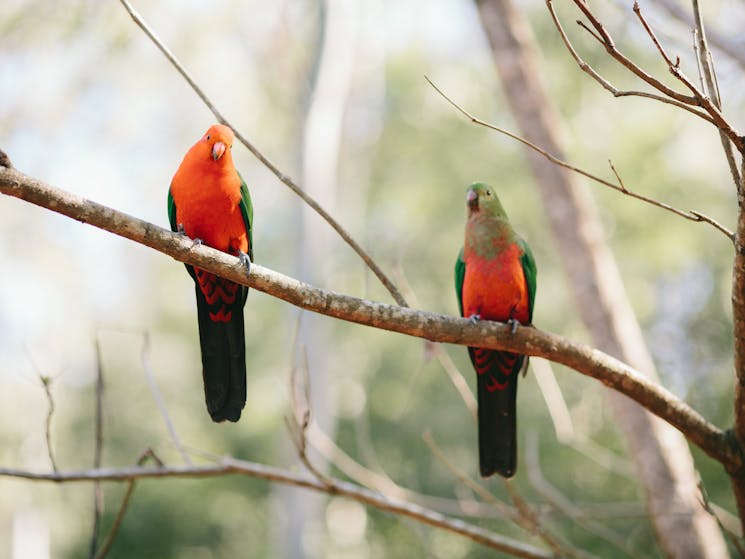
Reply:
x=247 y=209
x=174 y=227
x=172 y=212
x=529 y=270
x=460 y=273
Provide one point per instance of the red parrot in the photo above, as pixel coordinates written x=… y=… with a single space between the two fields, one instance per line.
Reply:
x=209 y=202
x=495 y=279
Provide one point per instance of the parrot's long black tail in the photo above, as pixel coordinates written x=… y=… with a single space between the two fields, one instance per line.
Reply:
x=498 y=372
x=221 y=338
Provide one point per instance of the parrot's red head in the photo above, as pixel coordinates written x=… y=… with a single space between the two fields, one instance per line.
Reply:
x=216 y=142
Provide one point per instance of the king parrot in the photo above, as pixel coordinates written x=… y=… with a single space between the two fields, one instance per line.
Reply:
x=208 y=201
x=495 y=279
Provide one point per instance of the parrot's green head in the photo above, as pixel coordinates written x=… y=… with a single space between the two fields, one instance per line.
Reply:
x=482 y=199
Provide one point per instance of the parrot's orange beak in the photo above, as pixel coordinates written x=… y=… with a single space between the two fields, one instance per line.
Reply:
x=218 y=150
x=472 y=199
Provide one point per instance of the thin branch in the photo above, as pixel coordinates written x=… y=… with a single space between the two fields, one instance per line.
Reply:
x=422 y=324
x=114 y=530
x=733 y=538
x=145 y=360
x=690 y=103
x=690 y=215
x=562 y=503
x=589 y=70
x=97 y=451
x=300 y=414
x=443 y=357
x=733 y=49
x=648 y=28
x=46 y=384
x=383 y=483
x=285 y=179
x=523 y=516
x=707 y=66
x=701 y=99
x=232 y=466
x=555 y=402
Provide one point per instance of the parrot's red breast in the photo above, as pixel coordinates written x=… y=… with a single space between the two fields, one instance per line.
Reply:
x=207 y=194
x=495 y=288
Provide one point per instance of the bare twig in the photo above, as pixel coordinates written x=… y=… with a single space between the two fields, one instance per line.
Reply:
x=707 y=67
x=523 y=516
x=562 y=503
x=637 y=10
x=733 y=538
x=97 y=450
x=299 y=419
x=690 y=215
x=46 y=383
x=422 y=324
x=382 y=483
x=732 y=48
x=555 y=402
x=114 y=530
x=232 y=466
x=590 y=71
x=692 y=103
x=454 y=374
x=286 y=180
x=162 y=408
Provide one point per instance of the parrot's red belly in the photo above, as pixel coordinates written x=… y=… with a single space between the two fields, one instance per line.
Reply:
x=495 y=288
x=208 y=208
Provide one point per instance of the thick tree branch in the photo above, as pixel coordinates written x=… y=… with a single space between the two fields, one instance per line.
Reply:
x=431 y=326
x=285 y=179
x=231 y=466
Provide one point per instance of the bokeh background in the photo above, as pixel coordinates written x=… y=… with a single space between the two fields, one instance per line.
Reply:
x=89 y=105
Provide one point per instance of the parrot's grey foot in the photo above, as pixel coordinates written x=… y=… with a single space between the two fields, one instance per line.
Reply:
x=245 y=260
x=474 y=318
x=182 y=231
x=513 y=324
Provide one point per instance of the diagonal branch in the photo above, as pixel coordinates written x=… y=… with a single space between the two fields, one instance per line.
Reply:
x=232 y=466
x=690 y=215
x=286 y=180
x=428 y=325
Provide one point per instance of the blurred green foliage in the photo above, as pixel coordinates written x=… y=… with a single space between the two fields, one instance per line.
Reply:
x=88 y=104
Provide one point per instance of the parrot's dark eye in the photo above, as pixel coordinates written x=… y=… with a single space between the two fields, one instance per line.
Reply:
x=488 y=192
x=208 y=137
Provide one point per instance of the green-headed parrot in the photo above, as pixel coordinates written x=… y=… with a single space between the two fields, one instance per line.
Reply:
x=495 y=279
x=209 y=202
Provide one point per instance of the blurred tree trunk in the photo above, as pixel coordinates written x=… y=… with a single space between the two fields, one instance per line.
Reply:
x=662 y=457
x=329 y=82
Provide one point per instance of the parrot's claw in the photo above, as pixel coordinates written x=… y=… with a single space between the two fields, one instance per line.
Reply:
x=474 y=318
x=245 y=260
x=513 y=324
x=182 y=231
